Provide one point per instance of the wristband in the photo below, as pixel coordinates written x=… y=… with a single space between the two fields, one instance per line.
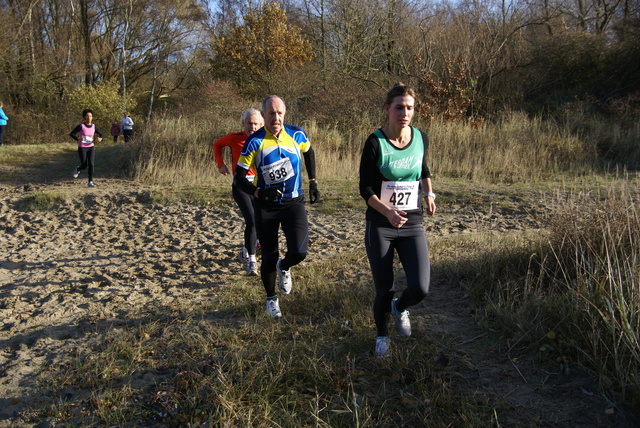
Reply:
x=427 y=194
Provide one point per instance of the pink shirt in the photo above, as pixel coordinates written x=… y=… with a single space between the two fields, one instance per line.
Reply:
x=85 y=136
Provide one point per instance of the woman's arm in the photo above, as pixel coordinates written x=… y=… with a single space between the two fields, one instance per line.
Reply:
x=74 y=133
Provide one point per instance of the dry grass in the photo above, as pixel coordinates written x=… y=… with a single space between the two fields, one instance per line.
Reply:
x=596 y=246
x=515 y=149
x=572 y=293
x=226 y=364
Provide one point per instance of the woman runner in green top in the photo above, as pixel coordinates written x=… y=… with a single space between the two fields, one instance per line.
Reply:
x=394 y=181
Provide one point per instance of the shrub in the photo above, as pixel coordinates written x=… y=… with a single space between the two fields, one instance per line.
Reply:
x=104 y=99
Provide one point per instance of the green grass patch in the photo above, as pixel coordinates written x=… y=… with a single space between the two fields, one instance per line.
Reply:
x=41 y=201
x=339 y=195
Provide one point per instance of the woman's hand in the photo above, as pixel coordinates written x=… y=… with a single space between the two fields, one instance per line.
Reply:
x=431 y=204
x=396 y=218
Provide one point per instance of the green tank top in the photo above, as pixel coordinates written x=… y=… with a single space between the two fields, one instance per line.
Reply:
x=401 y=164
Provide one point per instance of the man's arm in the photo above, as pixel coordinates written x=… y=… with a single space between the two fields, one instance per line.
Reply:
x=241 y=182
x=310 y=164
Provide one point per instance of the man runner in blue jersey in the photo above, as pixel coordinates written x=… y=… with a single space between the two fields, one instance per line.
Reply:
x=276 y=152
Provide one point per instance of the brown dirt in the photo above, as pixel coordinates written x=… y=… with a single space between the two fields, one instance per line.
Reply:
x=66 y=269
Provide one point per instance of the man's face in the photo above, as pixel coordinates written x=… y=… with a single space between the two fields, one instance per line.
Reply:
x=274 y=115
x=252 y=124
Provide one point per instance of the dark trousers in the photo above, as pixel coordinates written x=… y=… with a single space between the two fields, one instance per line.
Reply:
x=2 y=134
x=245 y=203
x=293 y=220
x=411 y=246
x=87 y=159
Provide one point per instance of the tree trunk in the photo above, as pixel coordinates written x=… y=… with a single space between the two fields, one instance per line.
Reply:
x=86 y=35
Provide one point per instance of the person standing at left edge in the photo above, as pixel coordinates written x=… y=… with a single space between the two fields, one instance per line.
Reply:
x=276 y=151
x=84 y=134
x=3 y=123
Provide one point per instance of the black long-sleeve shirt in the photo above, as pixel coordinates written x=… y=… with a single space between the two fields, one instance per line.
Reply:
x=371 y=178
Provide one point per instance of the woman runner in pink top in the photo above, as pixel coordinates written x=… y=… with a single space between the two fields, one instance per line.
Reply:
x=84 y=134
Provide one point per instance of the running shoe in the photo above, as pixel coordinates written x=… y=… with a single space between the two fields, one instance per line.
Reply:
x=244 y=258
x=403 y=325
x=75 y=173
x=383 y=347
x=273 y=308
x=252 y=269
x=284 y=278
x=90 y=184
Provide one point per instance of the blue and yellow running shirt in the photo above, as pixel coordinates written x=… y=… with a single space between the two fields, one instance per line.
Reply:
x=277 y=160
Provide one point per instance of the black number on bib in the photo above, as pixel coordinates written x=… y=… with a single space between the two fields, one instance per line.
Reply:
x=278 y=174
x=399 y=198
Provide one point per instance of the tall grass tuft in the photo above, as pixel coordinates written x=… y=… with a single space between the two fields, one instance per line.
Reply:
x=516 y=148
x=596 y=244
x=179 y=152
x=573 y=292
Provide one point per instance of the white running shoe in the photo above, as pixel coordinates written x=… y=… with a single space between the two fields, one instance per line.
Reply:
x=383 y=347
x=273 y=308
x=75 y=173
x=90 y=184
x=252 y=268
x=284 y=278
x=403 y=325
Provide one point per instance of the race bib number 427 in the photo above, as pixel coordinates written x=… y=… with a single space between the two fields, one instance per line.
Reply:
x=401 y=195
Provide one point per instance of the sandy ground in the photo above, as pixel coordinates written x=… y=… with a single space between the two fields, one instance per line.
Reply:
x=107 y=250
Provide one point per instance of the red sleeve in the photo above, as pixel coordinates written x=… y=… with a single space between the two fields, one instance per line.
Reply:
x=224 y=141
x=235 y=141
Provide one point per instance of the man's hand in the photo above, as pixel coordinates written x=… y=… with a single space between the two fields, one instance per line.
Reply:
x=270 y=194
x=314 y=195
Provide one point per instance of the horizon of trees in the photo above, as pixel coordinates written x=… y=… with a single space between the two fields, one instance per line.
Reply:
x=329 y=58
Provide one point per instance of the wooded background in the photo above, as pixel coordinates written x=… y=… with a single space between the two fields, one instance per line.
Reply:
x=331 y=60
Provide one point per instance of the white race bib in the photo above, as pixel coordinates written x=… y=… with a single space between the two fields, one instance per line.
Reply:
x=277 y=172
x=401 y=195
x=87 y=140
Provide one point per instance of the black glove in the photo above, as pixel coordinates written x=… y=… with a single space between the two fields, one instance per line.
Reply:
x=314 y=195
x=270 y=194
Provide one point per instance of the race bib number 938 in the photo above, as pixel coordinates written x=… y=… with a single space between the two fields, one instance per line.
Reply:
x=277 y=172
